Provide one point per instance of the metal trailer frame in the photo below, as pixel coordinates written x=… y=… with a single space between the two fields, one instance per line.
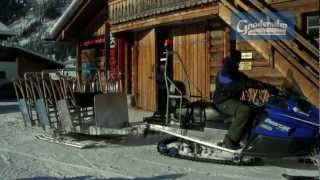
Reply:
x=62 y=104
x=20 y=90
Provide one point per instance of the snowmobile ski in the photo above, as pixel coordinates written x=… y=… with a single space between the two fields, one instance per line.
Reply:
x=66 y=141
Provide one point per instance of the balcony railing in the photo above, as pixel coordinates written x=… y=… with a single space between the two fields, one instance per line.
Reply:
x=126 y=10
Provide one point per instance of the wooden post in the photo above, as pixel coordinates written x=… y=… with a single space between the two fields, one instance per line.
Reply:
x=126 y=73
x=78 y=63
x=107 y=42
x=18 y=68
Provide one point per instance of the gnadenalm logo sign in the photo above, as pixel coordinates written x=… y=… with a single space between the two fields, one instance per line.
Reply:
x=264 y=27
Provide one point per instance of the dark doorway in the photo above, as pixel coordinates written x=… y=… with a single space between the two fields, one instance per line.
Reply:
x=164 y=42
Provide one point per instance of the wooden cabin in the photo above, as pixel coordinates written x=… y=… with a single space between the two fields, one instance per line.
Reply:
x=200 y=30
x=15 y=62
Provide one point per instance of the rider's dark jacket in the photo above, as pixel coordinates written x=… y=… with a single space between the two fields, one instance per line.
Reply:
x=230 y=83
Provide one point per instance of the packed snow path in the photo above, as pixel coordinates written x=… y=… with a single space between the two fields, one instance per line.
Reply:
x=24 y=157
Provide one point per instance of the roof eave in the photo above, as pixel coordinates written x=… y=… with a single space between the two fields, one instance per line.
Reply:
x=62 y=21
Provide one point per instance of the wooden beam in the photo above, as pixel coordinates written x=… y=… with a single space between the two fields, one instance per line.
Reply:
x=257 y=72
x=177 y=17
x=295 y=77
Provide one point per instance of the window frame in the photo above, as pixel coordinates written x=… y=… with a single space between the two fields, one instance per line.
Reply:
x=306 y=26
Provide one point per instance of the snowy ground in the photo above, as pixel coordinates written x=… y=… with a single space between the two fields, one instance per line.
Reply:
x=23 y=157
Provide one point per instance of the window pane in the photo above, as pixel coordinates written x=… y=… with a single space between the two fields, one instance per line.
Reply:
x=2 y=75
x=314 y=32
x=313 y=20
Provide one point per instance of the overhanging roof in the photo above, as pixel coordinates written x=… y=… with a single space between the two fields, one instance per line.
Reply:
x=11 y=53
x=76 y=18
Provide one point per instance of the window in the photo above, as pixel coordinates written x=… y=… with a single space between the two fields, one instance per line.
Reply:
x=312 y=26
x=3 y=75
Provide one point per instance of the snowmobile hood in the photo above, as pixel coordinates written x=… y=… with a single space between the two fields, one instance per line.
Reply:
x=290 y=110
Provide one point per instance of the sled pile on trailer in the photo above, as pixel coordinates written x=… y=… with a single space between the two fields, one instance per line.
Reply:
x=61 y=103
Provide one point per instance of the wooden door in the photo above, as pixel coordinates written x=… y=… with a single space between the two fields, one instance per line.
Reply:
x=146 y=63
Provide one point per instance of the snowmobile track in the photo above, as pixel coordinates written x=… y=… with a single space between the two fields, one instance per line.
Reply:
x=168 y=140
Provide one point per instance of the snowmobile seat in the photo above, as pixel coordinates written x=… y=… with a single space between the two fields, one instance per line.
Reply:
x=216 y=119
x=206 y=113
x=198 y=113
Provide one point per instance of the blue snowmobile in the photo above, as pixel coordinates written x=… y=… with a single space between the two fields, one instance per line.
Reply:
x=287 y=126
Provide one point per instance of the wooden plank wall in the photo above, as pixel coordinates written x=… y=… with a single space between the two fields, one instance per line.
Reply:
x=100 y=31
x=257 y=59
x=190 y=43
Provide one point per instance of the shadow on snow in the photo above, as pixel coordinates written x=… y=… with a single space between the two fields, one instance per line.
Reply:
x=162 y=177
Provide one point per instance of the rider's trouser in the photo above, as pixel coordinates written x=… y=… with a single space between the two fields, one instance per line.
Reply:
x=240 y=113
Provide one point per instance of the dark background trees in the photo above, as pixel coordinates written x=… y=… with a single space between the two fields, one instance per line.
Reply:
x=32 y=20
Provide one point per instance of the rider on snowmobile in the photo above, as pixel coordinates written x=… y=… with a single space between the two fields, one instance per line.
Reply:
x=230 y=83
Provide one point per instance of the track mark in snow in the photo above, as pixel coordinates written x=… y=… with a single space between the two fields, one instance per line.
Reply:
x=4 y=142
x=175 y=168
x=4 y=170
x=6 y=159
x=62 y=163
x=92 y=165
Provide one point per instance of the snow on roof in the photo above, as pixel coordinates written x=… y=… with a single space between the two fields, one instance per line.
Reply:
x=66 y=16
x=3 y=27
x=4 y=30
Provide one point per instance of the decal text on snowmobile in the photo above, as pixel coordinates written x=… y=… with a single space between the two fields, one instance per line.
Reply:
x=279 y=126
